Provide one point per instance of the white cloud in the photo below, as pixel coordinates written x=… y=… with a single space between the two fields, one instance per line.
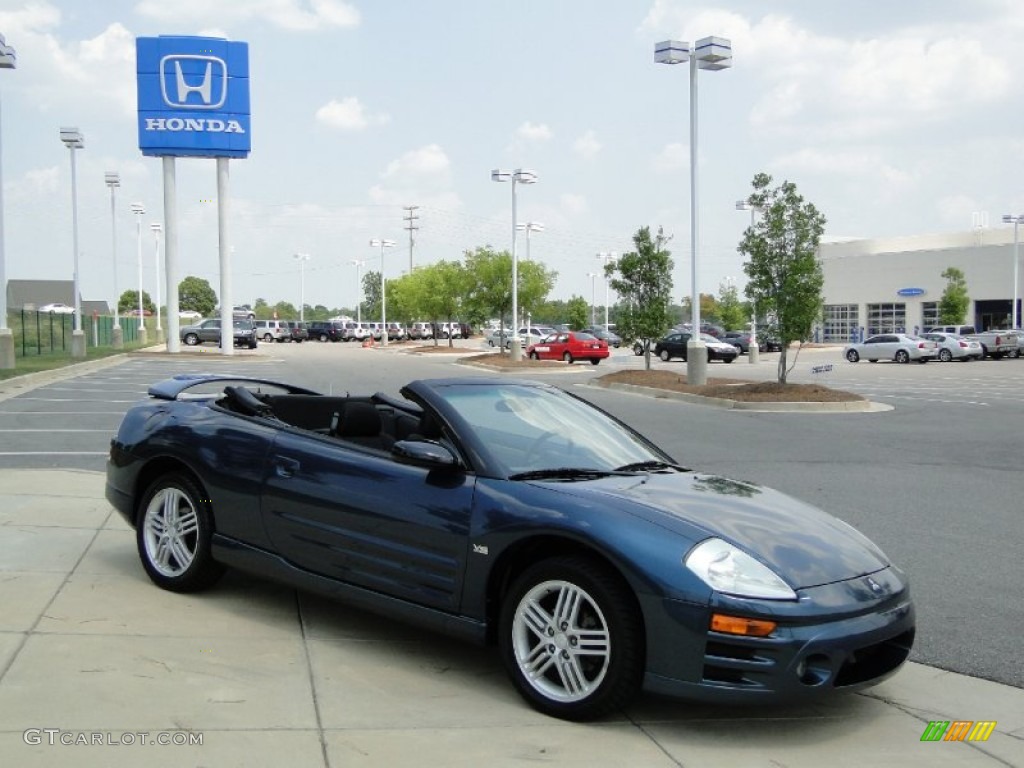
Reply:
x=286 y=14
x=587 y=145
x=673 y=157
x=534 y=131
x=349 y=114
x=421 y=176
x=573 y=204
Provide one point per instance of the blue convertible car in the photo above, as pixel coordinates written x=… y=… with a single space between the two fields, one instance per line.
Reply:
x=512 y=513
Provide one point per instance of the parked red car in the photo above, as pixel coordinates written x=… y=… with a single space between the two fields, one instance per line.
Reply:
x=569 y=346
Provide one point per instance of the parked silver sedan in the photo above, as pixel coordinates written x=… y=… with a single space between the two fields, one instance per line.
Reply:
x=892 y=346
x=953 y=347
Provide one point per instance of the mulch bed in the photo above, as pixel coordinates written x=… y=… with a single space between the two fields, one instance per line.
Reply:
x=733 y=389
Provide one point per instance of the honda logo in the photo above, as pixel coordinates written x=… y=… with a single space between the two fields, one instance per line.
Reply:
x=193 y=82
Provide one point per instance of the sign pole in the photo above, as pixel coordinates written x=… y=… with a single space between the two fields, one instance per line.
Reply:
x=171 y=254
x=227 y=307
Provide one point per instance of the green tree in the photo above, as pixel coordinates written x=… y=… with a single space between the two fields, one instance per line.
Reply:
x=643 y=280
x=442 y=290
x=129 y=302
x=577 y=313
x=195 y=294
x=371 y=297
x=489 y=284
x=731 y=313
x=783 y=271
x=954 y=302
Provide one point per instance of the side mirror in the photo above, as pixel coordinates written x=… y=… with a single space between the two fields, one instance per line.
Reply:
x=423 y=454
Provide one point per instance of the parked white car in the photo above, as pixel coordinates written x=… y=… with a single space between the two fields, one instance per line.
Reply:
x=953 y=347
x=57 y=309
x=892 y=346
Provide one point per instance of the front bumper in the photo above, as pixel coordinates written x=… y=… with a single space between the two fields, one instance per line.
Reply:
x=841 y=648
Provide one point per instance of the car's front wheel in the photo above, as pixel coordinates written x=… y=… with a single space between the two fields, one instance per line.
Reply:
x=173 y=533
x=571 y=638
x=665 y=356
x=191 y=339
x=534 y=356
x=852 y=356
x=568 y=358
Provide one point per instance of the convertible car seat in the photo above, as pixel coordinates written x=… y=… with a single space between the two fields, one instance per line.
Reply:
x=360 y=423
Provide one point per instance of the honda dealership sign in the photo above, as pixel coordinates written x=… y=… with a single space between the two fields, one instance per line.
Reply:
x=193 y=96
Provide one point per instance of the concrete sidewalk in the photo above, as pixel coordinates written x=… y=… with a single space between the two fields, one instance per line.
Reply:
x=91 y=651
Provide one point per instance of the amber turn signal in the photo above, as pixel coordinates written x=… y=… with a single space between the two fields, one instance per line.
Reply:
x=737 y=625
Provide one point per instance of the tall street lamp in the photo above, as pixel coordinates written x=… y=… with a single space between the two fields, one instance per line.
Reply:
x=382 y=244
x=8 y=60
x=359 y=289
x=712 y=53
x=157 y=228
x=753 y=351
x=113 y=180
x=528 y=227
x=73 y=140
x=593 y=284
x=605 y=258
x=518 y=176
x=139 y=210
x=1014 y=310
x=302 y=258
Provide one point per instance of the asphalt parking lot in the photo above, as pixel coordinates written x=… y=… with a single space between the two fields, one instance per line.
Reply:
x=268 y=677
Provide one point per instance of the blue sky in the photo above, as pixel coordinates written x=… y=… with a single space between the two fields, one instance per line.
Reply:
x=892 y=118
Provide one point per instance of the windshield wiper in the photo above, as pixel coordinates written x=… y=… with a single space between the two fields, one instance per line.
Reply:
x=563 y=473
x=649 y=466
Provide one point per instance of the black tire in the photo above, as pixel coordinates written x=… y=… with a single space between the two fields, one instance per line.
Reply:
x=852 y=356
x=534 y=356
x=902 y=356
x=665 y=356
x=176 y=554
x=568 y=358
x=252 y=344
x=595 y=360
x=638 y=349
x=322 y=337
x=945 y=355
x=268 y=338
x=606 y=617
x=728 y=359
x=191 y=339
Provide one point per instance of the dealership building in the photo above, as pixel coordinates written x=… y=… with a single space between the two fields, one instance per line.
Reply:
x=894 y=285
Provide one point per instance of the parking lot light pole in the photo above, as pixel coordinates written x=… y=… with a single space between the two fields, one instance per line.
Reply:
x=518 y=176
x=606 y=258
x=1014 y=311
x=157 y=228
x=302 y=258
x=139 y=210
x=113 y=180
x=753 y=351
x=382 y=244
x=8 y=60
x=528 y=227
x=712 y=53
x=593 y=284
x=359 y=289
x=73 y=140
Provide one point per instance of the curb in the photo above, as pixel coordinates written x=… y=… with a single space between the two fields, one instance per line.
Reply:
x=849 y=406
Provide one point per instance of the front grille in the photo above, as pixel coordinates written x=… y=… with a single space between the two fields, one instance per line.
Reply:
x=876 y=660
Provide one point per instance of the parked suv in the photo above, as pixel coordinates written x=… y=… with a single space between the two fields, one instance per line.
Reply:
x=209 y=331
x=273 y=330
x=396 y=332
x=421 y=331
x=326 y=330
x=299 y=331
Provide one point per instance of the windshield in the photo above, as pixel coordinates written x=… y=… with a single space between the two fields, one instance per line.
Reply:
x=526 y=429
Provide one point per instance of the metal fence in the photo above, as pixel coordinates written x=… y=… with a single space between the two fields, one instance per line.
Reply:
x=44 y=333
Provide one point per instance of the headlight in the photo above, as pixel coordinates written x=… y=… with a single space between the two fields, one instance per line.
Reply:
x=727 y=569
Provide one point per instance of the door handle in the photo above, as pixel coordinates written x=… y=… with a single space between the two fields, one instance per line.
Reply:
x=285 y=467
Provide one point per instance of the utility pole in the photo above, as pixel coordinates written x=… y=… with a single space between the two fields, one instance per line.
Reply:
x=410 y=220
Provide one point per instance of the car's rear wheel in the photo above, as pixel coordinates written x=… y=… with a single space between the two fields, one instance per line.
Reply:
x=173 y=533
x=902 y=356
x=568 y=358
x=534 y=356
x=594 y=360
x=665 y=356
x=638 y=349
x=191 y=339
x=852 y=356
x=322 y=337
x=571 y=638
x=268 y=338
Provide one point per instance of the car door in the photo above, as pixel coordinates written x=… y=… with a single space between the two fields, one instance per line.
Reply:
x=362 y=518
x=210 y=331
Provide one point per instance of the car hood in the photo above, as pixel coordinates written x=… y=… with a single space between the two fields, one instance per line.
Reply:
x=802 y=544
